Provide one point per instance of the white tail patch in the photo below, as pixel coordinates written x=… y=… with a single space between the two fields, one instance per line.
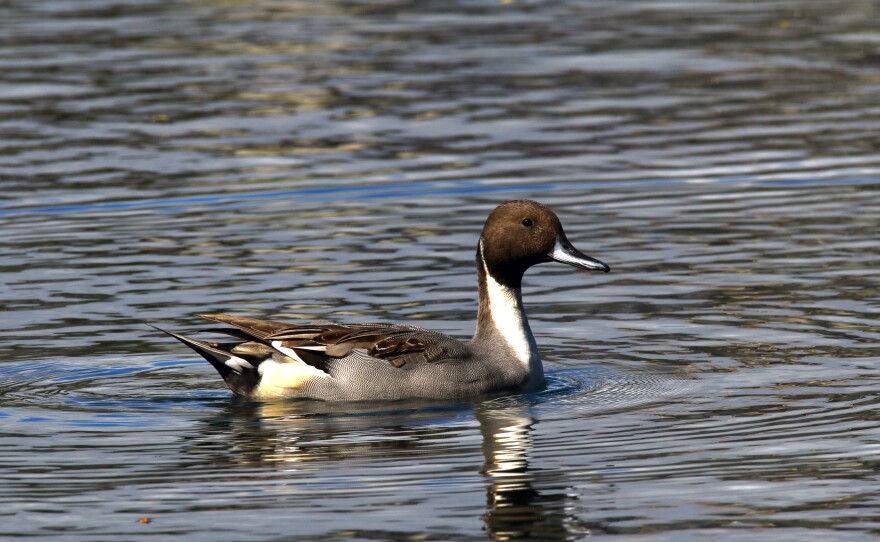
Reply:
x=280 y=379
x=238 y=364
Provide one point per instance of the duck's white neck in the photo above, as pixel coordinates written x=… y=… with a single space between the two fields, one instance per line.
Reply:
x=501 y=308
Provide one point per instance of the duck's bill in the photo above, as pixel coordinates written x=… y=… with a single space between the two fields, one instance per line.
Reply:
x=563 y=252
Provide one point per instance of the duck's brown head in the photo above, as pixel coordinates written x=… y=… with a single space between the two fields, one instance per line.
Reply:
x=522 y=233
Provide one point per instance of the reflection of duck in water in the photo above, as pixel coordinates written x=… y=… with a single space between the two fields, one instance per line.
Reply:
x=515 y=509
x=288 y=434
x=339 y=362
x=520 y=503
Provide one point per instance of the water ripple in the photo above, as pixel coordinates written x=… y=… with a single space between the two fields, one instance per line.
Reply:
x=303 y=160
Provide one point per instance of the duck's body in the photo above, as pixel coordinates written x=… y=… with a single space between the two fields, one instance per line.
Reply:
x=339 y=362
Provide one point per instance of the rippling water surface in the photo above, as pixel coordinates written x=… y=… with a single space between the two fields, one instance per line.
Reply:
x=337 y=159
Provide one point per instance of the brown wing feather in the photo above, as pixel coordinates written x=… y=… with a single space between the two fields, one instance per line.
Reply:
x=395 y=343
x=256 y=328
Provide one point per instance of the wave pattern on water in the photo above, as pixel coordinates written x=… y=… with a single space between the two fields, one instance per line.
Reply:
x=303 y=160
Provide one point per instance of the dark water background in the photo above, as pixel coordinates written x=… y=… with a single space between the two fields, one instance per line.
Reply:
x=337 y=159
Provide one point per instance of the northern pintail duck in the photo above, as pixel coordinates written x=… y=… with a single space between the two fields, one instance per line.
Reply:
x=352 y=362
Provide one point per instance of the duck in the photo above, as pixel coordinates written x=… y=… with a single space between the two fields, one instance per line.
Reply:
x=332 y=361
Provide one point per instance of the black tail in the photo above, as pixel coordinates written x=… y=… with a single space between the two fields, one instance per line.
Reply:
x=239 y=374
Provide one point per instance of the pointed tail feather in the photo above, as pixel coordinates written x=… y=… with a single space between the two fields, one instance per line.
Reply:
x=226 y=364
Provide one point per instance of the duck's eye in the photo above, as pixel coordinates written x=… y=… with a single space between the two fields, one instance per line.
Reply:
x=527 y=222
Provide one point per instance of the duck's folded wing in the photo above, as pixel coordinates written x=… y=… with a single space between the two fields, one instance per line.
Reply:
x=318 y=343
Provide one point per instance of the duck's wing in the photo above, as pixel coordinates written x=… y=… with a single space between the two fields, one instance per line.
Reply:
x=316 y=343
x=291 y=355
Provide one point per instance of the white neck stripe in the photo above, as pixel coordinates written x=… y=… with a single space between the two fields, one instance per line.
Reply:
x=506 y=311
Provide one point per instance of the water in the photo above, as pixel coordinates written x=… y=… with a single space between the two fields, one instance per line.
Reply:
x=300 y=160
